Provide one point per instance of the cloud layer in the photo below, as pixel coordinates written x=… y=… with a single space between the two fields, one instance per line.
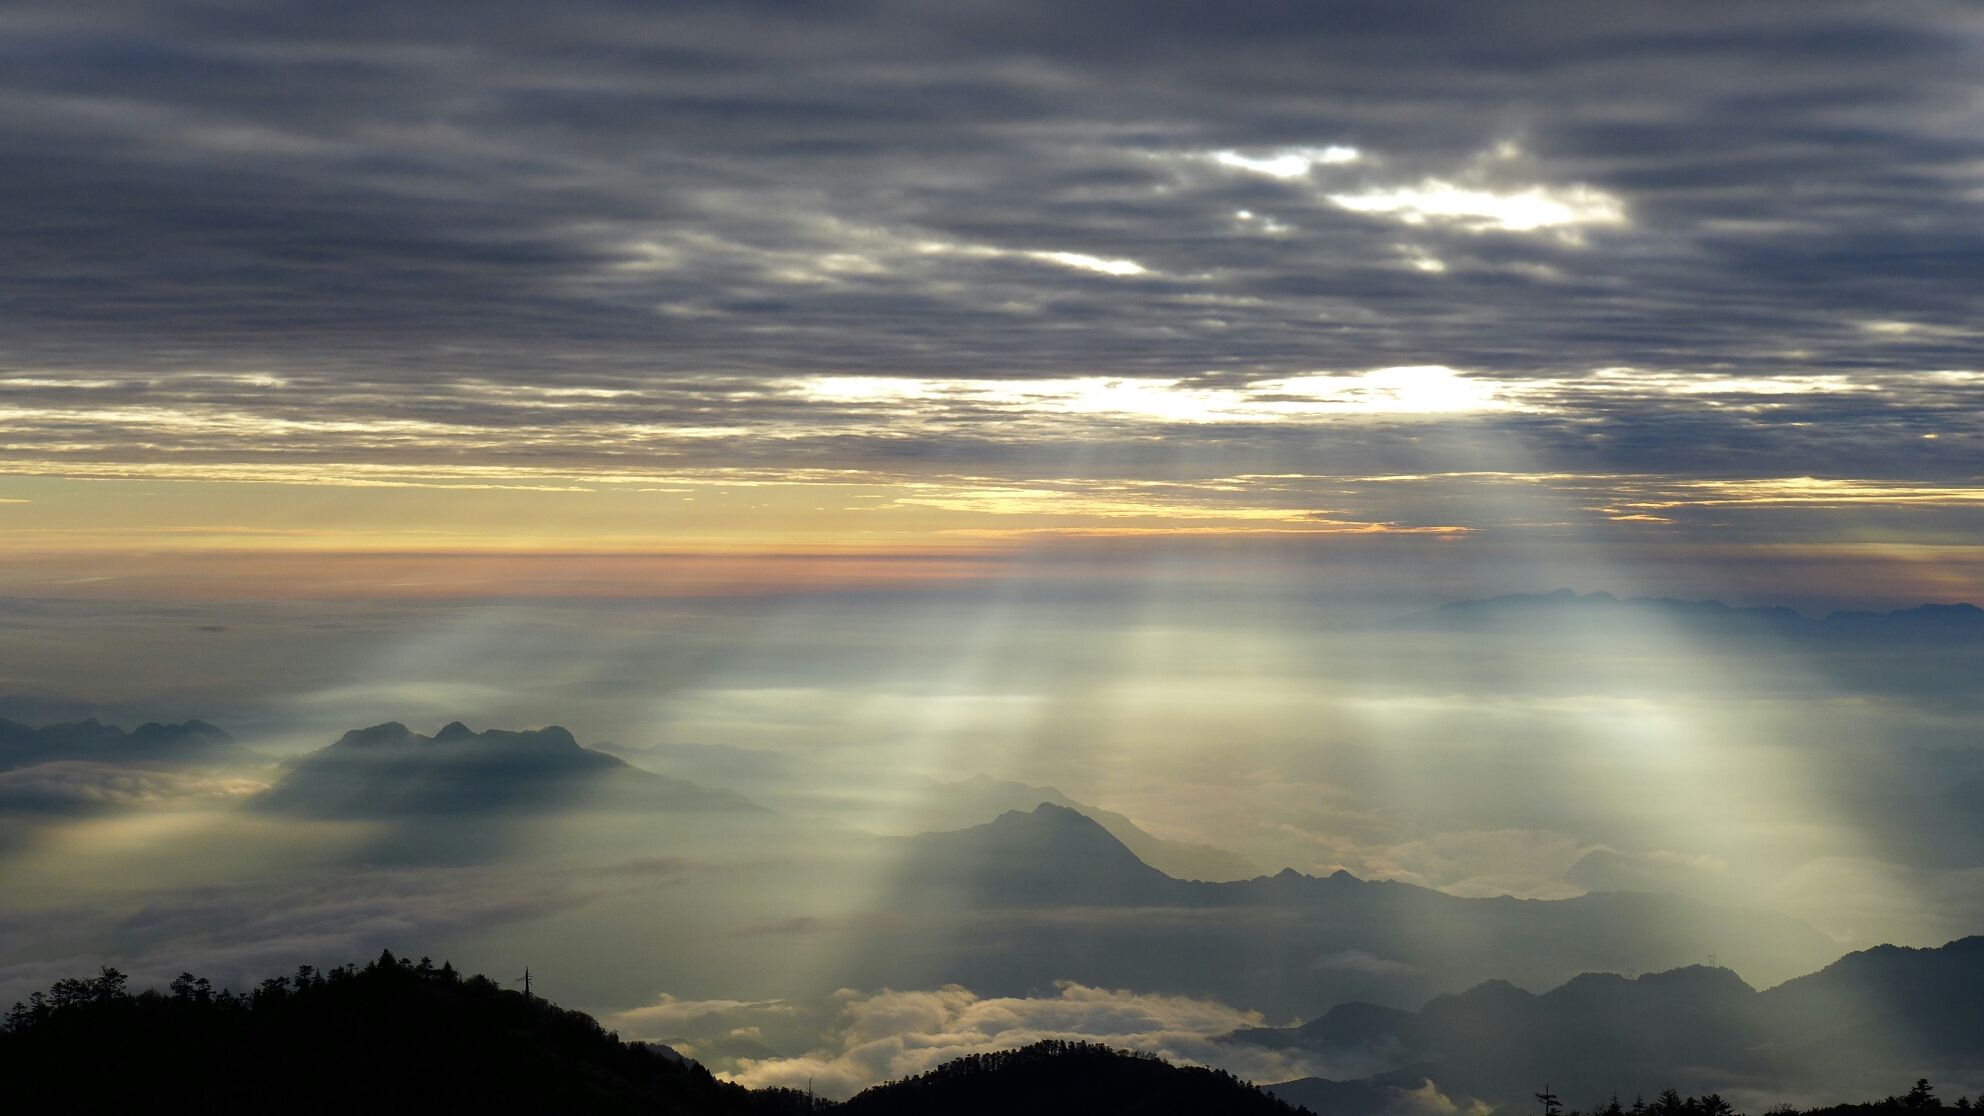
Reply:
x=519 y=247
x=889 y=1035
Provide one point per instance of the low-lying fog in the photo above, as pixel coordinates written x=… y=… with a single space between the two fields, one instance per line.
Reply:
x=1833 y=780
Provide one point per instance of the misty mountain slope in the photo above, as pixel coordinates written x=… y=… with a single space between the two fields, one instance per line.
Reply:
x=1065 y=1079
x=1929 y=622
x=93 y=742
x=982 y=798
x=1340 y=1098
x=388 y=771
x=1869 y=1021
x=1034 y=898
x=1869 y=1012
x=1596 y=1032
x=1392 y=1034
x=909 y=803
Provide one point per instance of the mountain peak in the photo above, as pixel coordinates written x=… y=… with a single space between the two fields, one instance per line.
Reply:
x=381 y=735
x=1049 y=856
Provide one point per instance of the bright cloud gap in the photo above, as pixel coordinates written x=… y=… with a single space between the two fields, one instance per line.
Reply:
x=1539 y=207
x=1289 y=162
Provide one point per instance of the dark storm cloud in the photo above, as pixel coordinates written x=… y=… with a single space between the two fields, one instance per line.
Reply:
x=395 y=208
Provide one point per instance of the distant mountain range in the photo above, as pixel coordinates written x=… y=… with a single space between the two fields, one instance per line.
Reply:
x=1929 y=622
x=1032 y=898
x=1866 y=1023
x=389 y=771
x=93 y=742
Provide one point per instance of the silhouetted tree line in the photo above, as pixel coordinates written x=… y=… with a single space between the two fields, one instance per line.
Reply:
x=1668 y=1103
x=1671 y=1103
x=1918 y=1099
x=394 y=1036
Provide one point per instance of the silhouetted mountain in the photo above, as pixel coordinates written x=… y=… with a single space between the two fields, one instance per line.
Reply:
x=1065 y=1079
x=926 y=805
x=1033 y=898
x=1053 y=856
x=389 y=771
x=1929 y=622
x=393 y=1037
x=90 y=741
x=1863 y=1023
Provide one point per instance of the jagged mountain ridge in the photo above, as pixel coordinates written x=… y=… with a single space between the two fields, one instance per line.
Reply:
x=92 y=741
x=388 y=770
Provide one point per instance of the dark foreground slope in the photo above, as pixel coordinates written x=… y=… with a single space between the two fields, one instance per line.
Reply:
x=391 y=1037
x=1065 y=1079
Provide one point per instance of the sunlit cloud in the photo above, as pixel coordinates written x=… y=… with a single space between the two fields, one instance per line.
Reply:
x=1082 y=262
x=1670 y=382
x=669 y=1017
x=1427 y=389
x=1824 y=491
x=1289 y=162
x=1415 y=390
x=1538 y=207
x=1079 y=261
x=194 y=426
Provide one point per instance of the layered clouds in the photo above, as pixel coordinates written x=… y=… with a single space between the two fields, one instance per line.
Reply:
x=615 y=250
x=1054 y=392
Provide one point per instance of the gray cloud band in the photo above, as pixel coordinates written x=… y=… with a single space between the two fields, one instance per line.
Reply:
x=412 y=218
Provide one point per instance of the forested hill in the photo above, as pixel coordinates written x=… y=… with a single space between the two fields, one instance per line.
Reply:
x=1066 y=1079
x=394 y=1036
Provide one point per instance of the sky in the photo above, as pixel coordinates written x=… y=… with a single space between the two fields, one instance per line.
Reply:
x=1072 y=394
x=775 y=278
